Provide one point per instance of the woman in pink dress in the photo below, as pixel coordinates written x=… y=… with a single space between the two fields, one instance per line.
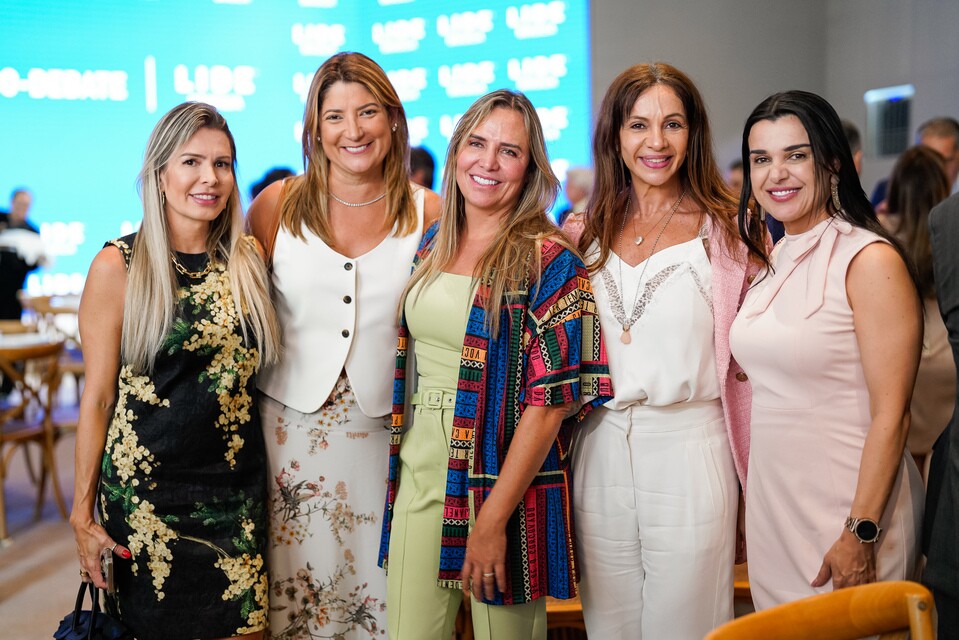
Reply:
x=830 y=337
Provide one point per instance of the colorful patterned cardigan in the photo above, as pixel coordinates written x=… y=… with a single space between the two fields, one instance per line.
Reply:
x=549 y=352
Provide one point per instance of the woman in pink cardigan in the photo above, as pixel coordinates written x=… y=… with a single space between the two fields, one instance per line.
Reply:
x=657 y=470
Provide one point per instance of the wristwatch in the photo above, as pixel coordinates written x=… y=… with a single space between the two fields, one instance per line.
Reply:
x=865 y=529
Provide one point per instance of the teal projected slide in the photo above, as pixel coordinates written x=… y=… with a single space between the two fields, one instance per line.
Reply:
x=83 y=83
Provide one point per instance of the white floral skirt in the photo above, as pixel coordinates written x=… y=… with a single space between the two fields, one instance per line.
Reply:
x=328 y=473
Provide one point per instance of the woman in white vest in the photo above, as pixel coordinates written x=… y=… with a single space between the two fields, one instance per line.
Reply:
x=341 y=238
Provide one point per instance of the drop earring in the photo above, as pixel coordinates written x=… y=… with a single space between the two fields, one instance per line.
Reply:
x=162 y=198
x=834 y=190
x=394 y=127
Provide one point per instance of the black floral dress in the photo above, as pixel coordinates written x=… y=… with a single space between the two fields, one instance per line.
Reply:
x=183 y=475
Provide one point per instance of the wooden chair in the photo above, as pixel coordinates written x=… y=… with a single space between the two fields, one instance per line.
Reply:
x=741 y=592
x=564 y=620
x=564 y=614
x=14 y=326
x=892 y=609
x=57 y=315
x=34 y=372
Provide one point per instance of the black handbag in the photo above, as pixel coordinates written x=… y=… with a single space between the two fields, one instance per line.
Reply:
x=93 y=624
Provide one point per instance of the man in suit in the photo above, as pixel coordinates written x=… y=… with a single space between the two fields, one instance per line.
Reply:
x=14 y=266
x=941 y=530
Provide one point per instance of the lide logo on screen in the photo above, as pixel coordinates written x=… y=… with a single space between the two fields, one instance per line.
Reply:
x=419 y=127
x=554 y=121
x=318 y=39
x=399 y=36
x=409 y=83
x=537 y=20
x=222 y=86
x=466 y=28
x=536 y=72
x=467 y=79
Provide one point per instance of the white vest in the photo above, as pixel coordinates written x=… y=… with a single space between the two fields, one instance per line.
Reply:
x=337 y=312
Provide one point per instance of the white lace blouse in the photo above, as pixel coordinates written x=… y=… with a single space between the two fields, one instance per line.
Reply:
x=671 y=355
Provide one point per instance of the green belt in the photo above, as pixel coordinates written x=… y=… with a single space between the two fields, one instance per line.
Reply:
x=434 y=399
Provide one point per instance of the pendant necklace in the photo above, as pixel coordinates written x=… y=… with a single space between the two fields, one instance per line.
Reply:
x=620 y=313
x=357 y=204
x=638 y=238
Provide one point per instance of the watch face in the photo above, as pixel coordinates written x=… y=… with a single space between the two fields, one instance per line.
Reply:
x=867 y=530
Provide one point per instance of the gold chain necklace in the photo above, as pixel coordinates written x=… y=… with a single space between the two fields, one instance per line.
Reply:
x=620 y=313
x=195 y=275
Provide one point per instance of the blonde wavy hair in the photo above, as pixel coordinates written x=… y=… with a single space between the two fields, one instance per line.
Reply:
x=514 y=255
x=151 y=290
x=306 y=204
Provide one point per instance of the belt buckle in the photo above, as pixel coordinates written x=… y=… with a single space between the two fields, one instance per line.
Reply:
x=433 y=399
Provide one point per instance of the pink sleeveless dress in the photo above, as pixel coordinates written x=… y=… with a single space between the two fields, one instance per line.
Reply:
x=794 y=338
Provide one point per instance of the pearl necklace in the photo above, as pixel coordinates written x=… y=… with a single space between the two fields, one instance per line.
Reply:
x=358 y=204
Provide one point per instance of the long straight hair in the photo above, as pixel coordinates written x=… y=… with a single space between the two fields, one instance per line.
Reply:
x=699 y=174
x=513 y=257
x=833 y=158
x=306 y=203
x=917 y=184
x=151 y=292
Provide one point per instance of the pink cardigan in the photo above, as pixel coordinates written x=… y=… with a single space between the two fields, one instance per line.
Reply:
x=731 y=277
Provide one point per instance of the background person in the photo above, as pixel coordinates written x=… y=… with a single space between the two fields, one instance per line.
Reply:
x=499 y=315
x=734 y=176
x=422 y=167
x=273 y=175
x=169 y=441
x=657 y=469
x=579 y=187
x=21 y=251
x=942 y=136
x=830 y=337
x=917 y=184
x=341 y=236
x=851 y=132
x=941 y=528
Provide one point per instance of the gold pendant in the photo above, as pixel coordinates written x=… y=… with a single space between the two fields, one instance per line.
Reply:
x=624 y=337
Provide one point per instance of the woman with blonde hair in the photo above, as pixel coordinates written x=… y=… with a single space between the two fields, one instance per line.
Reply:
x=176 y=320
x=499 y=316
x=340 y=237
x=657 y=470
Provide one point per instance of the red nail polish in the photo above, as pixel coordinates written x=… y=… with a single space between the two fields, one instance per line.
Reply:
x=125 y=553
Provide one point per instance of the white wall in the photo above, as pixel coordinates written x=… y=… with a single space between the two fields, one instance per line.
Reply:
x=736 y=51
x=881 y=43
x=739 y=51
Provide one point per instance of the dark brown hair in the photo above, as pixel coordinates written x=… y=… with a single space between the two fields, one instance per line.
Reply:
x=699 y=174
x=918 y=183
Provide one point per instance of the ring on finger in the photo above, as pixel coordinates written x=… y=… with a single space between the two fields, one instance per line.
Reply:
x=84 y=573
x=114 y=547
x=488 y=576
